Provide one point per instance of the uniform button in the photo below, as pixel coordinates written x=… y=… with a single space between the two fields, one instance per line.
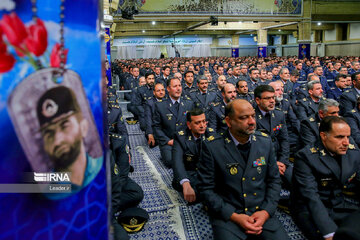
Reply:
x=253 y=178
x=246 y=209
x=257 y=207
x=344 y=186
x=244 y=195
x=254 y=193
x=243 y=179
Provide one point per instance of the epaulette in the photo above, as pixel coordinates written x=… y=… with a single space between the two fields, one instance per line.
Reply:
x=262 y=134
x=313 y=150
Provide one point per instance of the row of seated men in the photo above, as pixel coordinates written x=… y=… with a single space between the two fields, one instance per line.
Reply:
x=169 y=117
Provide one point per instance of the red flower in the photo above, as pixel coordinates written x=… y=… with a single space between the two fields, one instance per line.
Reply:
x=7 y=62
x=13 y=28
x=36 y=42
x=55 y=57
x=3 y=48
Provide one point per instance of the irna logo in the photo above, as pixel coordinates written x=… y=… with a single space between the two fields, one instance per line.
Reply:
x=51 y=177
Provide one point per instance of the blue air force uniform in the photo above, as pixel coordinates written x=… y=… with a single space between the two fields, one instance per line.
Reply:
x=240 y=181
x=353 y=118
x=326 y=188
x=168 y=120
x=203 y=100
x=310 y=130
x=141 y=95
x=306 y=108
x=216 y=119
x=348 y=100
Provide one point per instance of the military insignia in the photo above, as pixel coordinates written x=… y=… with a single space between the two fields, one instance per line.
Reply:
x=169 y=116
x=258 y=170
x=352 y=177
x=211 y=130
x=322 y=152
x=189 y=138
x=149 y=97
x=127 y=149
x=259 y=162
x=304 y=99
x=351 y=146
x=227 y=140
x=353 y=110
x=133 y=221
x=324 y=183
x=210 y=138
x=264 y=134
x=188 y=158
x=224 y=122
x=233 y=170
x=272 y=115
x=311 y=119
x=181 y=133
x=49 y=108
x=260 y=117
x=254 y=138
x=116 y=169
x=313 y=150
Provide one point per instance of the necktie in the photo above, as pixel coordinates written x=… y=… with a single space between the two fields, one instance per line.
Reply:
x=198 y=144
x=244 y=150
x=176 y=106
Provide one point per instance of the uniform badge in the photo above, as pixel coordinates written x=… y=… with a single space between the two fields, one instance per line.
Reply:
x=189 y=138
x=181 y=133
x=254 y=138
x=313 y=150
x=353 y=110
x=211 y=130
x=223 y=121
x=260 y=117
x=324 y=183
x=227 y=140
x=189 y=158
x=169 y=116
x=304 y=99
x=352 y=177
x=233 y=170
x=127 y=149
x=273 y=115
x=116 y=170
x=259 y=162
x=312 y=119
x=133 y=221
x=258 y=170
x=121 y=119
x=322 y=152
x=351 y=146
x=210 y=138
x=264 y=134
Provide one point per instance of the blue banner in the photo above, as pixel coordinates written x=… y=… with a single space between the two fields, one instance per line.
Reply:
x=261 y=52
x=53 y=178
x=304 y=50
x=234 y=52
x=108 y=56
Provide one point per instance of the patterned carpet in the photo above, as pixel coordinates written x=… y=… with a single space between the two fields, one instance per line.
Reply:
x=170 y=217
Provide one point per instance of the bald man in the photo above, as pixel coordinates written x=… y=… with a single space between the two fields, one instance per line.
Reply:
x=239 y=178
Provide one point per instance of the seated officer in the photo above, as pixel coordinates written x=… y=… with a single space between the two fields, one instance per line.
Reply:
x=326 y=180
x=353 y=118
x=202 y=97
x=349 y=97
x=125 y=192
x=340 y=85
x=170 y=117
x=217 y=110
x=116 y=122
x=158 y=95
x=220 y=83
x=272 y=122
x=186 y=153
x=239 y=179
x=243 y=91
x=308 y=106
x=309 y=127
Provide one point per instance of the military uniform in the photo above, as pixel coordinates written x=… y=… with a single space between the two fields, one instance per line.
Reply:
x=248 y=97
x=353 y=118
x=231 y=183
x=116 y=122
x=130 y=84
x=216 y=119
x=306 y=108
x=125 y=192
x=348 y=100
x=325 y=192
x=149 y=108
x=203 y=100
x=251 y=86
x=309 y=129
x=335 y=93
x=167 y=121
x=187 y=91
x=185 y=155
x=141 y=95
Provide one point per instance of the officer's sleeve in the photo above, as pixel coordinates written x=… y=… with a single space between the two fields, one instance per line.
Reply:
x=213 y=201
x=295 y=123
x=283 y=138
x=120 y=125
x=355 y=131
x=177 y=161
x=301 y=111
x=148 y=119
x=212 y=119
x=158 y=131
x=345 y=104
x=308 y=190
x=137 y=100
x=307 y=135
x=273 y=184
x=127 y=96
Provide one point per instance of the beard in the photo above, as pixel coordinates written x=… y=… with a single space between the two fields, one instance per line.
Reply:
x=64 y=159
x=279 y=98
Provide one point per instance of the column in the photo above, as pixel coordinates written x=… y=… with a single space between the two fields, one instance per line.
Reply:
x=304 y=27
x=262 y=42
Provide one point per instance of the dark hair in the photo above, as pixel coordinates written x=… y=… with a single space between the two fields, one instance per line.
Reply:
x=193 y=112
x=164 y=68
x=354 y=76
x=188 y=72
x=337 y=78
x=262 y=88
x=253 y=69
x=295 y=73
x=168 y=82
x=148 y=74
x=241 y=80
x=327 y=122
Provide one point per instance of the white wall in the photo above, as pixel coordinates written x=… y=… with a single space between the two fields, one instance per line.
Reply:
x=330 y=35
x=354 y=31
